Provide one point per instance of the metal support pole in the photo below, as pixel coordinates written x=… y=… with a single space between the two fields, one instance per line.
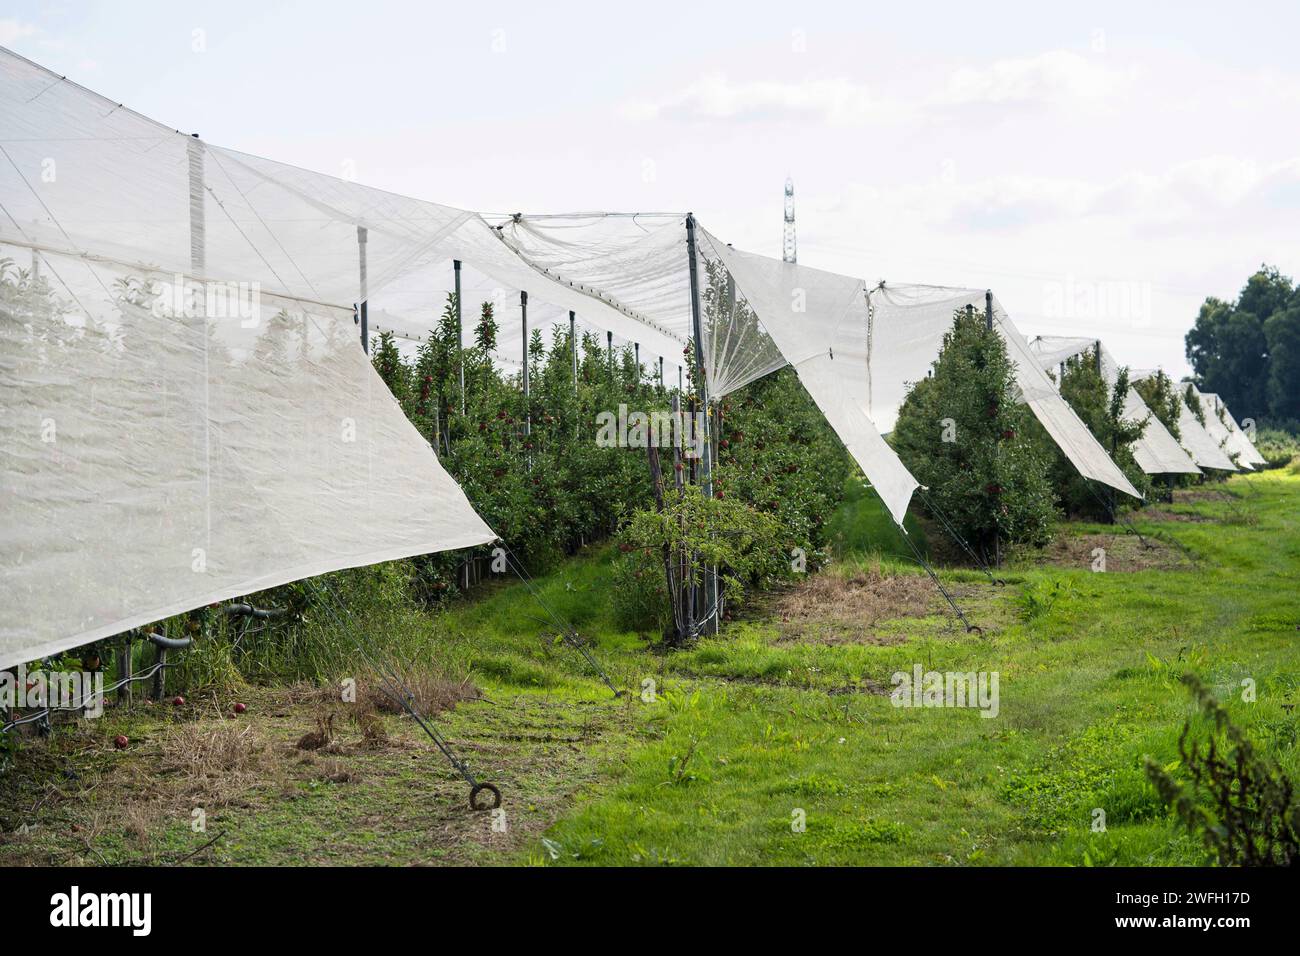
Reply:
x=609 y=350
x=573 y=348
x=683 y=597
x=198 y=226
x=1111 y=505
x=528 y=411
x=661 y=373
x=198 y=269
x=160 y=673
x=124 y=670
x=997 y=535
x=636 y=349
x=460 y=336
x=710 y=624
x=364 y=308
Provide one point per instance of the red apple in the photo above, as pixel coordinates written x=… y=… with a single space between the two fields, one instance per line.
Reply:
x=120 y=741
x=240 y=707
x=178 y=700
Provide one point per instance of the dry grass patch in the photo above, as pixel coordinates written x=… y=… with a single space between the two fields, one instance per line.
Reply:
x=1160 y=514
x=1124 y=553
x=838 y=607
x=1191 y=495
x=431 y=693
x=210 y=762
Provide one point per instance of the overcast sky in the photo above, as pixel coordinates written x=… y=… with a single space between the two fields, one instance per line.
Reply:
x=1102 y=170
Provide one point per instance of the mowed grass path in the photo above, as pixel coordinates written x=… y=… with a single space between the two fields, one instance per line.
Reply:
x=752 y=732
x=718 y=749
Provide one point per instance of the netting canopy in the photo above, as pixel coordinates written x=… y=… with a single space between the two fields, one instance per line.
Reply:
x=818 y=322
x=1232 y=438
x=907 y=327
x=1204 y=450
x=757 y=314
x=1156 y=451
x=189 y=415
x=641 y=262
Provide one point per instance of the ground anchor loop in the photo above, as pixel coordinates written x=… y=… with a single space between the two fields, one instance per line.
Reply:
x=478 y=790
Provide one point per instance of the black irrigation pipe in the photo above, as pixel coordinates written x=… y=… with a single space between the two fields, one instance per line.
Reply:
x=18 y=722
x=956 y=536
x=246 y=612
x=80 y=705
x=567 y=632
x=405 y=700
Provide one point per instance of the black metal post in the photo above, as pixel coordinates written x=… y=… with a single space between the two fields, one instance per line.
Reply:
x=198 y=225
x=460 y=336
x=710 y=624
x=364 y=308
x=573 y=348
x=609 y=350
x=1111 y=505
x=997 y=534
x=528 y=410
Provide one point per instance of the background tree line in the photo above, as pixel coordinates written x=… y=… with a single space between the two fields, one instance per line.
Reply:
x=1248 y=351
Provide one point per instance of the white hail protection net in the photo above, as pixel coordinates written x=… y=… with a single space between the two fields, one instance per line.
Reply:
x=494 y=272
x=1196 y=438
x=907 y=328
x=641 y=265
x=188 y=415
x=757 y=314
x=818 y=322
x=1233 y=440
x=1156 y=451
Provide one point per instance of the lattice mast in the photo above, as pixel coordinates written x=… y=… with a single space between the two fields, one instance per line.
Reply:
x=789 y=253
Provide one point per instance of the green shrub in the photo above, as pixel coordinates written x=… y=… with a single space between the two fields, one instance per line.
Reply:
x=1278 y=443
x=744 y=544
x=1240 y=804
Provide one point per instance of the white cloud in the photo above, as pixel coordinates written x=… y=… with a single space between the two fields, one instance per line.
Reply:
x=1194 y=198
x=1057 y=76
x=714 y=97
x=11 y=31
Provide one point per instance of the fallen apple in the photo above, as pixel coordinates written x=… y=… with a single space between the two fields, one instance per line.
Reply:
x=121 y=741
x=240 y=708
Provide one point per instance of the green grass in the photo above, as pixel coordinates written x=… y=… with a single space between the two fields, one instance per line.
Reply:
x=862 y=526
x=1088 y=689
x=718 y=749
